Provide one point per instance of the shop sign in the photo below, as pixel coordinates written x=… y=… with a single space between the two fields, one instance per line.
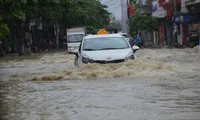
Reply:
x=181 y=19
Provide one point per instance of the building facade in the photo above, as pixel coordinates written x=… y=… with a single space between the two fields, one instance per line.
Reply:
x=176 y=19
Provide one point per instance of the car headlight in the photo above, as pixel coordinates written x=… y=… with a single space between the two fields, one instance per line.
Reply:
x=86 y=59
x=129 y=57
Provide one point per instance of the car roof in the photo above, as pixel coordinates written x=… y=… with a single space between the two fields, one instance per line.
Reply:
x=123 y=33
x=102 y=36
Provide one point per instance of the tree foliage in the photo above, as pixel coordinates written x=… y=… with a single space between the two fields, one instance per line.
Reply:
x=143 y=22
x=12 y=9
x=66 y=13
x=90 y=13
x=3 y=28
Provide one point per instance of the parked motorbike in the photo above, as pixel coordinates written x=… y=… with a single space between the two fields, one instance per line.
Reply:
x=193 y=38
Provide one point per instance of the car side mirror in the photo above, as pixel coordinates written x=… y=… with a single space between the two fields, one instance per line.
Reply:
x=135 y=48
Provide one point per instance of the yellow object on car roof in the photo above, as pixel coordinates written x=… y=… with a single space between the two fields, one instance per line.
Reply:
x=102 y=31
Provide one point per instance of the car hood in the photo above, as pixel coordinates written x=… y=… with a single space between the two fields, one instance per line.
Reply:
x=107 y=55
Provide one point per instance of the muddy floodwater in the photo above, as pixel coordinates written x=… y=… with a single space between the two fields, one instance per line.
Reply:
x=162 y=84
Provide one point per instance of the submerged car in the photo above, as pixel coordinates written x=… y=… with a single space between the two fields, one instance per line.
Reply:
x=104 y=49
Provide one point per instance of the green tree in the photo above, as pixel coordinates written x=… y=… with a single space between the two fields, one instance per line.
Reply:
x=68 y=13
x=89 y=13
x=12 y=9
x=3 y=28
x=61 y=13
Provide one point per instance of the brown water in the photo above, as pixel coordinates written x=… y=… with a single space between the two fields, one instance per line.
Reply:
x=159 y=85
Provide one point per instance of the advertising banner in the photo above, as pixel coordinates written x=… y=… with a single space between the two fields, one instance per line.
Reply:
x=158 y=11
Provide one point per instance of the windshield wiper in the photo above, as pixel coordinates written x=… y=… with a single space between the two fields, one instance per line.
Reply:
x=89 y=49
x=110 y=48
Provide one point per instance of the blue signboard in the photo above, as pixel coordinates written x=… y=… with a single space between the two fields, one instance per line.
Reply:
x=183 y=19
x=195 y=19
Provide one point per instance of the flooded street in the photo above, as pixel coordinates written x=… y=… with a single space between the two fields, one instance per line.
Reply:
x=161 y=84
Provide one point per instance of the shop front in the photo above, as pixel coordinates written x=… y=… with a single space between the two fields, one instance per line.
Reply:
x=190 y=29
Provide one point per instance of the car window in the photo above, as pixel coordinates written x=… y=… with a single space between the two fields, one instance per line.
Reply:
x=75 y=38
x=105 y=43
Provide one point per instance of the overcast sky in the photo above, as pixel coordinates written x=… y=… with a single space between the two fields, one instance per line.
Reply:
x=113 y=7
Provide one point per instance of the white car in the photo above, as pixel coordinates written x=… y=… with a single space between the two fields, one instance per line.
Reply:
x=103 y=49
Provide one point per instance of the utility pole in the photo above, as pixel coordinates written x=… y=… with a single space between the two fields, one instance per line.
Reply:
x=174 y=25
x=174 y=7
x=56 y=33
x=124 y=16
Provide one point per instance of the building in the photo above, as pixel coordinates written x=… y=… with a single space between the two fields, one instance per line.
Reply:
x=182 y=16
x=160 y=14
x=176 y=18
x=145 y=6
x=193 y=6
x=193 y=20
x=187 y=20
x=194 y=13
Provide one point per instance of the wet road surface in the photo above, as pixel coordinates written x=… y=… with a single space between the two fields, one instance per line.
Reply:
x=159 y=93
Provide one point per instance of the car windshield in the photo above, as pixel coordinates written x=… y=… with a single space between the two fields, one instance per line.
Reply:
x=105 y=43
x=75 y=38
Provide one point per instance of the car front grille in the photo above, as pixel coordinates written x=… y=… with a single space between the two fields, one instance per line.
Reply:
x=107 y=62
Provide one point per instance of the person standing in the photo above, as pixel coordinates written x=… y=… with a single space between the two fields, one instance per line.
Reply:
x=138 y=41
